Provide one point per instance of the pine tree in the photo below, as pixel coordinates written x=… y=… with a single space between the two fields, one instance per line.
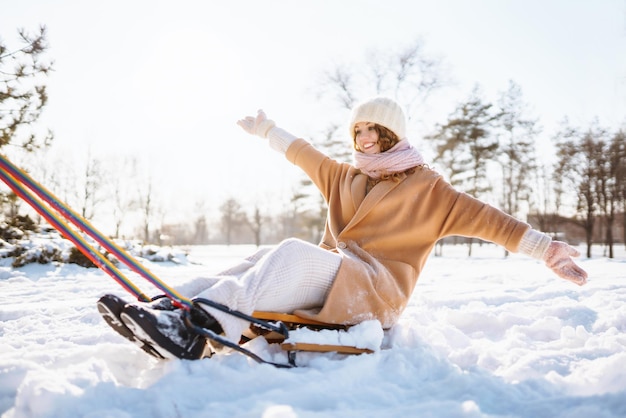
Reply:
x=465 y=144
x=23 y=92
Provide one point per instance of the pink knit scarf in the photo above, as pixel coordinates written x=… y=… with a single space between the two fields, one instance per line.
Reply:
x=399 y=158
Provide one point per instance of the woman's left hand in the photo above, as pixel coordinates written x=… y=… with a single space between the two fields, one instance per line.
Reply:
x=558 y=257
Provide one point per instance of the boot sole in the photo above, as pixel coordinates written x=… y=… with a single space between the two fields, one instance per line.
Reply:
x=144 y=330
x=111 y=315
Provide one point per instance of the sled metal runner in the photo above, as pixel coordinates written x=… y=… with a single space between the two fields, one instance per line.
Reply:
x=59 y=215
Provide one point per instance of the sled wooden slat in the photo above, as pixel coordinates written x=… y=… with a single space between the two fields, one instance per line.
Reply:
x=293 y=319
x=324 y=348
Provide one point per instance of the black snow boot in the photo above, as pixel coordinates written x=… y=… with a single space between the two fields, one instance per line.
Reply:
x=166 y=331
x=111 y=306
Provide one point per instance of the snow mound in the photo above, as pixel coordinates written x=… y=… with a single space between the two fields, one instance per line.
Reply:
x=367 y=335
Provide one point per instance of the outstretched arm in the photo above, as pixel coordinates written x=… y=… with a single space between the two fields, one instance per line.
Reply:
x=556 y=254
x=298 y=151
x=266 y=128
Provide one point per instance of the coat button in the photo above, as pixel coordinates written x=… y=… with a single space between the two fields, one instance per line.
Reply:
x=341 y=245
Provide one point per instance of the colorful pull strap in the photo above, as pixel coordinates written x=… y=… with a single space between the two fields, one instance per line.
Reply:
x=24 y=186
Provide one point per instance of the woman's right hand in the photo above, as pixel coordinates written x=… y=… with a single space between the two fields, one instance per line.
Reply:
x=259 y=125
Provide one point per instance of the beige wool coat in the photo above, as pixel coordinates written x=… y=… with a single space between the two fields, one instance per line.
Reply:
x=385 y=237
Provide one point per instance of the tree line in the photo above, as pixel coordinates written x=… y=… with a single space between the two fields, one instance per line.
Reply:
x=488 y=149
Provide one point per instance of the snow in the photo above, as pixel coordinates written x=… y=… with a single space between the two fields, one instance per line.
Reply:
x=485 y=336
x=368 y=335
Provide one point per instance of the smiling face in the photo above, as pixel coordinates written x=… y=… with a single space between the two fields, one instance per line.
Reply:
x=366 y=138
x=371 y=138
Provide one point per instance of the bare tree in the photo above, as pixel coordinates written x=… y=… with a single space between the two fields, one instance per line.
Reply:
x=565 y=136
x=256 y=223
x=91 y=192
x=516 y=152
x=410 y=75
x=124 y=200
x=544 y=204
x=200 y=224
x=148 y=208
x=619 y=148
x=612 y=160
x=579 y=157
x=232 y=218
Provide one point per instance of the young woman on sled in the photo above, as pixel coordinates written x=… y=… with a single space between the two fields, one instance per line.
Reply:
x=386 y=211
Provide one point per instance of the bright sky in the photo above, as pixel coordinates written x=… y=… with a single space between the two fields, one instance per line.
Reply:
x=168 y=80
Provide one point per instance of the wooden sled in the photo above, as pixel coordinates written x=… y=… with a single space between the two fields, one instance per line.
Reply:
x=294 y=322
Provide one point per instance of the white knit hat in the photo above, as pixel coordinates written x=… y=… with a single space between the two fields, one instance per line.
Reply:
x=382 y=111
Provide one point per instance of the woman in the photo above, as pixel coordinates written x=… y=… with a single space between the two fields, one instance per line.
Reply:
x=385 y=213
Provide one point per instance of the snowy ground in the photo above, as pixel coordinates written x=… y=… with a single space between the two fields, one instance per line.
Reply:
x=483 y=337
